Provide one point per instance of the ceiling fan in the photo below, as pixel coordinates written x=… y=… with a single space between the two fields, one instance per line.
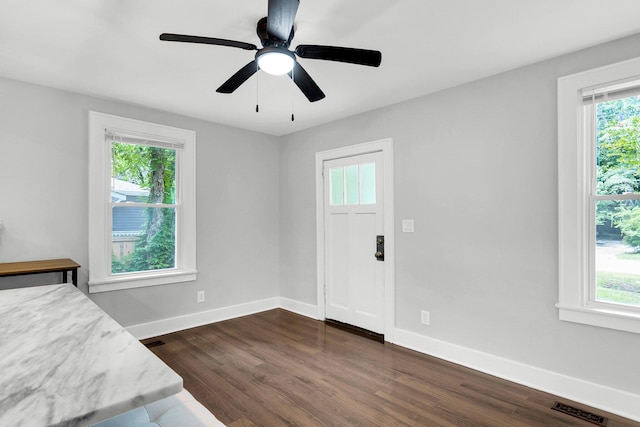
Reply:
x=275 y=32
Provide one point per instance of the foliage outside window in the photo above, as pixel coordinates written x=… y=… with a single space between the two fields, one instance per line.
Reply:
x=141 y=204
x=617 y=199
x=152 y=242
x=599 y=196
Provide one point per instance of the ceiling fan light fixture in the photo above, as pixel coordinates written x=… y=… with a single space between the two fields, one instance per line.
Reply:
x=275 y=60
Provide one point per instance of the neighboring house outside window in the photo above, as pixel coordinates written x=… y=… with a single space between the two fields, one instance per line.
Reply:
x=141 y=204
x=599 y=196
x=127 y=224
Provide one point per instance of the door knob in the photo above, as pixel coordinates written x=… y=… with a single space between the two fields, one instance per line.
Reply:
x=379 y=255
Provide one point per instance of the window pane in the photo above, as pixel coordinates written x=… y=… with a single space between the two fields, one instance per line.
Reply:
x=143 y=174
x=368 y=183
x=351 y=178
x=143 y=239
x=337 y=186
x=618 y=251
x=618 y=146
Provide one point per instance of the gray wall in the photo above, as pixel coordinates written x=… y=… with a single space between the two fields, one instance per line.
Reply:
x=476 y=168
x=43 y=202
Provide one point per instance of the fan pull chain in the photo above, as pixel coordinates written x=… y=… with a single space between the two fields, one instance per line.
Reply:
x=257 y=87
x=293 y=86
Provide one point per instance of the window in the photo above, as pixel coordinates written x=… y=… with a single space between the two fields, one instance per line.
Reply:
x=141 y=204
x=599 y=196
x=353 y=184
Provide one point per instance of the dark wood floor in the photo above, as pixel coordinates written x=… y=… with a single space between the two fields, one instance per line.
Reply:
x=277 y=368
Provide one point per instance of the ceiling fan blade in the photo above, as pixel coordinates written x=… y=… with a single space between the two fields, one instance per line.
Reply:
x=280 y=18
x=306 y=84
x=238 y=78
x=206 y=40
x=372 y=58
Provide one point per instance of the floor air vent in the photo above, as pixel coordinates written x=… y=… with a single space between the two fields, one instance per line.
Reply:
x=579 y=413
x=154 y=344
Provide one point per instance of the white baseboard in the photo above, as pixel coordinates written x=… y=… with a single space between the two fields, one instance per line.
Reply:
x=302 y=308
x=598 y=396
x=179 y=323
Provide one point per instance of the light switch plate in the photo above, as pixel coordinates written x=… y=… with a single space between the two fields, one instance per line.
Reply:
x=407 y=226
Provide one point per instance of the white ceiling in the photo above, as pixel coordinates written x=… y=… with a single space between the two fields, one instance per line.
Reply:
x=110 y=48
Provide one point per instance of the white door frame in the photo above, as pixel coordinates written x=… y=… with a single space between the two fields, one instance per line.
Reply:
x=386 y=147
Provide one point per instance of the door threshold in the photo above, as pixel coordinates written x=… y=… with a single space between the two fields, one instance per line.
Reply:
x=356 y=330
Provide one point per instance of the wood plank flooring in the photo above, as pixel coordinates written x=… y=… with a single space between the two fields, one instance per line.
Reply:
x=277 y=368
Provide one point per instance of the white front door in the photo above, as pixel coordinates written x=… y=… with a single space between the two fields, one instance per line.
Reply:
x=354 y=218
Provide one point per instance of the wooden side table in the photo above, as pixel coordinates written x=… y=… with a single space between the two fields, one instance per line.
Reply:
x=43 y=266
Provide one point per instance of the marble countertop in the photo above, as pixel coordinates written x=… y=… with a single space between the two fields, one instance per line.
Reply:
x=65 y=362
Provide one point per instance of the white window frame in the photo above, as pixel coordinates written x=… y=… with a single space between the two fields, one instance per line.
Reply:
x=100 y=240
x=575 y=219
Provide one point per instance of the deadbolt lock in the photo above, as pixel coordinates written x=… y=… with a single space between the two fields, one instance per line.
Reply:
x=379 y=248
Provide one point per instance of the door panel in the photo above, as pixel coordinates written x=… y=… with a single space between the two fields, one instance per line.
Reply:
x=339 y=229
x=365 y=301
x=353 y=212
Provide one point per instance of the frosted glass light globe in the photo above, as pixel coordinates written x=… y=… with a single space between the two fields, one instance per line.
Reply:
x=275 y=62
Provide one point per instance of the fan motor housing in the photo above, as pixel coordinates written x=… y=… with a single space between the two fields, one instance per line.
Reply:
x=266 y=39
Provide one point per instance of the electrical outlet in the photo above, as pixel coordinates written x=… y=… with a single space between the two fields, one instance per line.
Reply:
x=200 y=296
x=425 y=317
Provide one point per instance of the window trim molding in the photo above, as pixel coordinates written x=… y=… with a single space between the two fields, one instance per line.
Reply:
x=574 y=304
x=100 y=278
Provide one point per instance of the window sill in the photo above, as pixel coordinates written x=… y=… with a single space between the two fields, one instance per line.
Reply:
x=605 y=318
x=130 y=281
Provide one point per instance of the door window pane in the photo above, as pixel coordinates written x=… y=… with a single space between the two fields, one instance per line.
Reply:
x=351 y=179
x=368 y=183
x=353 y=184
x=337 y=186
